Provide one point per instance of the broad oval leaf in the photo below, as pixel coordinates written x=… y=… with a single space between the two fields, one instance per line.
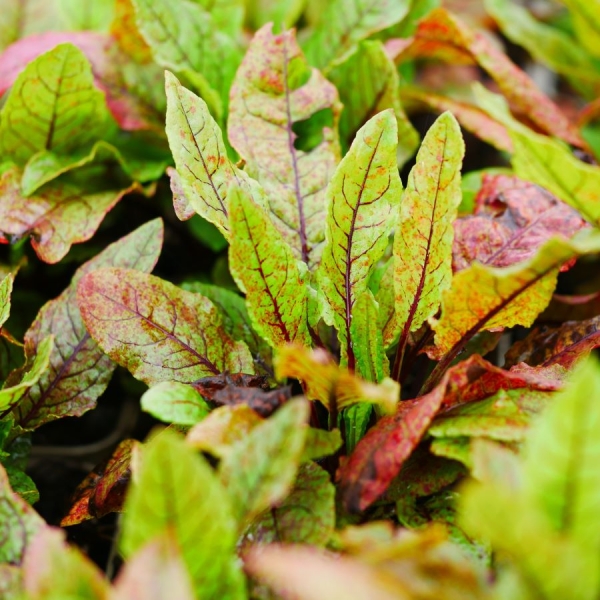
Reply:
x=266 y=269
x=157 y=330
x=274 y=93
x=362 y=195
x=174 y=402
x=176 y=491
x=79 y=371
x=423 y=240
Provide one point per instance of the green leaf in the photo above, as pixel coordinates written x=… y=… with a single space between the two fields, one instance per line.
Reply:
x=19 y=523
x=53 y=105
x=227 y=15
x=423 y=240
x=264 y=266
x=22 y=484
x=96 y=16
x=196 y=141
x=306 y=516
x=356 y=422
x=79 y=371
x=53 y=570
x=176 y=491
x=344 y=23
x=6 y=287
x=157 y=330
x=368 y=82
x=259 y=471
x=320 y=443
x=562 y=456
x=362 y=195
x=283 y=123
x=586 y=16
x=174 y=402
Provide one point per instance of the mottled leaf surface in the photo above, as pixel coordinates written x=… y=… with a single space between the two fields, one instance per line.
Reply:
x=265 y=267
x=344 y=23
x=79 y=371
x=362 y=196
x=157 y=330
x=368 y=83
x=423 y=240
x=176 y=490
x=512 y=219
x=53 y=105
x=6 y=287
x=305 y=516
x=173 y=402
x=274 y=93
x=259 y=470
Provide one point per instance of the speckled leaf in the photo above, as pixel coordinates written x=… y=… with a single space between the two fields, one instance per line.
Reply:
x=443 y=35
x=20 y=381
x=343 y=23
x=565 y=345
x=154 y=572
x=103 y=489
x=362 y=196
x=222 y=429
x=566 y=483
x=264 y=266
x=512 y=219
x=306 y=516
x=368 y=82
x=56 y=92
x=379 y=456
x=483 y=297
x=235 y=319
x=174 y=402
x=423 y=239
x=6 y=287
x=183 y=38
x=275 y=94
x=196 y=141
x=175 y=489
x=60 y=214
x=55 y=570
x=455 y=448
x=157 y=330
x=19 y=523
x=259 y=470
x=22 y=484
x=79 y=371
x=320 y=443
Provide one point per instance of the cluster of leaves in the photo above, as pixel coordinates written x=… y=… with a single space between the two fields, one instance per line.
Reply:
x=398 y=461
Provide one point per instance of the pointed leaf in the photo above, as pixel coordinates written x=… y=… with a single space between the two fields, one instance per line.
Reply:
x=259 y=471
x=156 y=330
x=53 y=570
x=19 y=523
x=56 y=92
x=177 y=491
x=274 y=94
x=155 y=572
x=443 y=35
x=515 y=218
x=306 y=516
x=567 y=483
x=6 y=287
x=321 y=443
x=58 y=215
x=483 y=297
x=79 y=371
x=265 y=268
x=362 y=195
x=344 y=23
x=368 y=83
x=423 y=240
x=205 y=172
x=174 y=402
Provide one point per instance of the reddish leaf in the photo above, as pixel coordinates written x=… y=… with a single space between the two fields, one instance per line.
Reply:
x=103 y=490
x=157 y=330
x=564 y=345
x=512 y=219
x=443 y=36
x=58 y=215
x=79 y=371
x=209 y=386
x=380 y=455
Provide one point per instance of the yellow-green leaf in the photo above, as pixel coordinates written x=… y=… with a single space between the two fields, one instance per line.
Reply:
x=6 y=287
x=586 y=19
x=362 y=196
